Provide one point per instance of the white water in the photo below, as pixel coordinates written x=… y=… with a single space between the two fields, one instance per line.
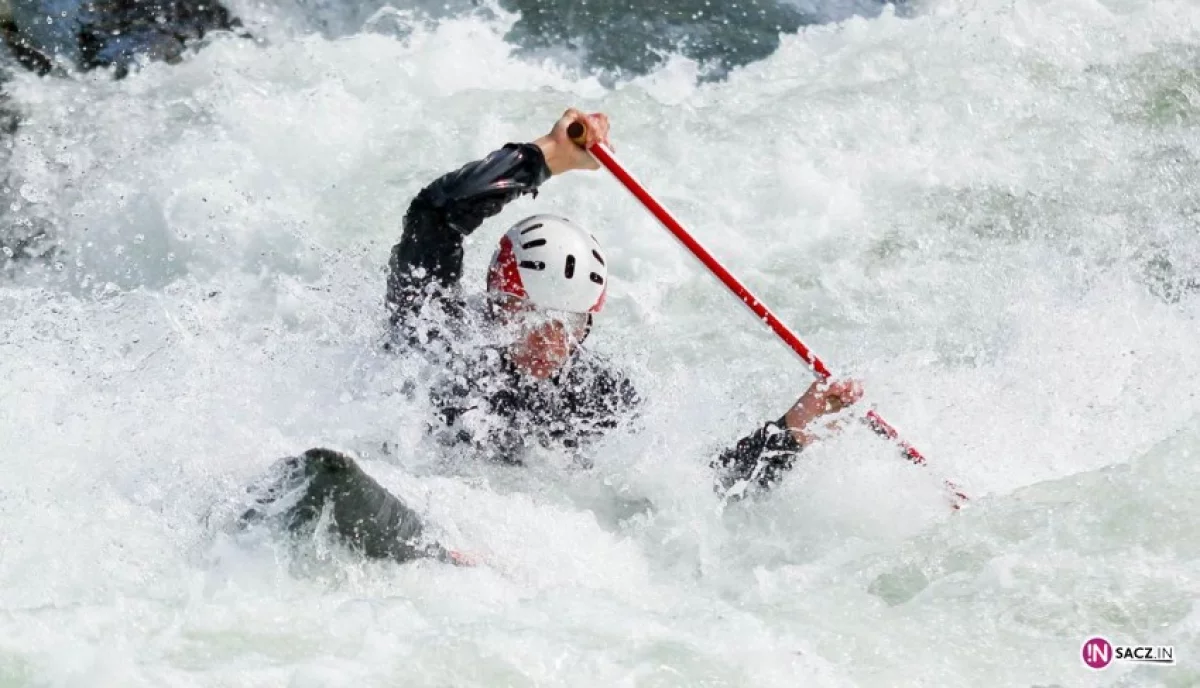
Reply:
x=956 y=208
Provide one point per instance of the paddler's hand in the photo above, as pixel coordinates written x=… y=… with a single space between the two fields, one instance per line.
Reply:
x=822 y=397
x=563 y=154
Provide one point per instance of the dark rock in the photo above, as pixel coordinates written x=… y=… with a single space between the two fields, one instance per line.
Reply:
x=77 y=34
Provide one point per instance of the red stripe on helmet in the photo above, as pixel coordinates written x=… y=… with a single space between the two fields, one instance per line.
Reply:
x=503 y=275
x=600 y=301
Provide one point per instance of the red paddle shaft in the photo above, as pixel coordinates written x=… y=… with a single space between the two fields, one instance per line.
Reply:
x=602 y=153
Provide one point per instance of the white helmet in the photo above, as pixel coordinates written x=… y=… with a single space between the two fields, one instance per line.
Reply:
x=552 y=263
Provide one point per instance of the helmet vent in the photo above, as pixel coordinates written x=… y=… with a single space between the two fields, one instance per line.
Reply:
x=570 y=272
x=598 y=256
x=533 y=264
x=530 y=228
x=534 y=244
x=595 y=277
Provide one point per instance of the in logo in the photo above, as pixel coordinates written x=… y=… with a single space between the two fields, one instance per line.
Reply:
x=1097 y=652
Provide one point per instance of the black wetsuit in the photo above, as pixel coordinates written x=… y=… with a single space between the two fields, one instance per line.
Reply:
x=484 y=405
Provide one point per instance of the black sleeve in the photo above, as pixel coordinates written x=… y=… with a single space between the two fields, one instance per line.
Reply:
x=298 y=490
x=761 y=457
x=429 y=258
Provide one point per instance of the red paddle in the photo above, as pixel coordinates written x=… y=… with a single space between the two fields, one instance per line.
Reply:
x=605 y=156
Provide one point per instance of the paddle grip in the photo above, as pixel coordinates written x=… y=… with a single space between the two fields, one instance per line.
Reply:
x=577 y=132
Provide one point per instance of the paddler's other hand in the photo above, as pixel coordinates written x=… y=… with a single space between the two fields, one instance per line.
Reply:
x=822 y=397
x=563 y=154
